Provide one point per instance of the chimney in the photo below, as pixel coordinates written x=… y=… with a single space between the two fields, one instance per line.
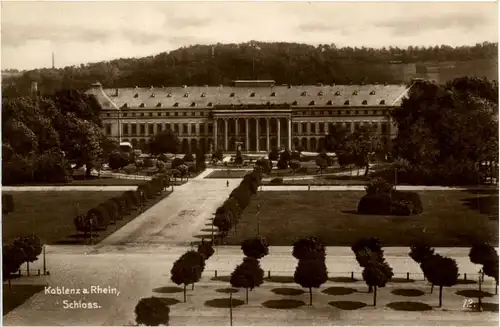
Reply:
x=116 y=92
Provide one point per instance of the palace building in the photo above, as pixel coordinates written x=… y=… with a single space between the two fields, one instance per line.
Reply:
x=255 y=115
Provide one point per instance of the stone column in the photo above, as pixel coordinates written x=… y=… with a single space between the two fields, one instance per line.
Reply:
x=197 y=126
x=278 y=127
x=247 y=140
x=215 y=135
x=225 y=135
x=289 y=134
x=257 y=121
x=267 y=135
x=189 y=128
x=236 y=121
x=308 y=127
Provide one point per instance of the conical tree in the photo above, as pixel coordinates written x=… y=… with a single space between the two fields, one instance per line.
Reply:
x=309 y=247
x=247 y=275
x=206 y=249
x=377 y=274
x=152 y=311
x=442 y=272
x=188 y=269
x=420 y=251
x=256 y=247
x=311 y=272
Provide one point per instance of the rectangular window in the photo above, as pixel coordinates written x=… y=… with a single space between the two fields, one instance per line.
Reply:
x=167 y=114
x=134 y=129
x=142 y=129
x=108 y=115
x=348 y=126
x=142 y=114
x=304 y=128
x=176 y=114
x=202 y=128
x=125 y=129
x=295 y=127
x=193 y=113
x=184 y=114
x=176 y=128
x=124 y=114
x=193 y=129
x=184 y=128
x=150 y=114
x=158 y=128
x=322 y=128
x=313 y=128
x=385 y=128
x=210 y=128
x=108 y=129
x=158 y=114
x=151 y=129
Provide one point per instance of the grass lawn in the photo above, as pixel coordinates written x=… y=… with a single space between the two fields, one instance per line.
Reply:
x=50 y=215
x=332 y=180
x=18 y=295
x=285 y=216
x=229 y=173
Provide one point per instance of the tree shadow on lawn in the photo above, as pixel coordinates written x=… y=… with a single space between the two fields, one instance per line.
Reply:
x=18 y=295
x=409 y=306
x=283 y=304
x=466 y=282
x=473 y=293
x=287 y=291
x=221 y=279
x=339 y=291
x=347 y=305
x=407 y=292
x=280 y=279
x=205 y=236
x=169 y=300
x=209 y=230
x=486 y=205
x=76 y=239
x=343 y=280
x=487 y=191
x=223 y=303
x=168 y=289
x=227 y=290
x=490 y=307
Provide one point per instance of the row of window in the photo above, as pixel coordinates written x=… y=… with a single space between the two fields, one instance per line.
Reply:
x=323 y=127
x=273 y=94
x=299 y=113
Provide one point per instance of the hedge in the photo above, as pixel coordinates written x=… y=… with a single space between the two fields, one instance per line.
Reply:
x=134 y=197
x=122 y=206
x=101 y=215
x=409 y=196
x=127 y=203
x=112 y=208
x=277 y=180
x=375 y=204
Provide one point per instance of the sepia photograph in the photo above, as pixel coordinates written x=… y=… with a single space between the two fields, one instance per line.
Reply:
x=249 y=163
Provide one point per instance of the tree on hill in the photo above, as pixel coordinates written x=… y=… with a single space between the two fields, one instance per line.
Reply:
x=164 y=142
x=152 y=311
x=311 y=272
x=247 y=275
x=442 y=272
x=256 y=247
x=188 y=269
x=376 y=274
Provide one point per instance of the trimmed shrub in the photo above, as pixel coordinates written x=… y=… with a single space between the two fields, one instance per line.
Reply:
x=309 y=248
x=134 y=198
x=409 y=196
x=163 y=157
x=148 y=163
x=121 y=205
x=277 y=180
x=112 y=208
x=160 y=165
x=301 y=170
x=176 y=163
x=206 y=249
x=188 y=157
x=401 y=208
x=147 y=191
x=127 y=203
x=255 y=247
x=282 y=164
x=82 y=223
x=376 y=204
x=101 y=216
x=377 y=186
x=7 y=203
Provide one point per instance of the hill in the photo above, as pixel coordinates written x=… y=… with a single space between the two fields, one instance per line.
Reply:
x=286 y=63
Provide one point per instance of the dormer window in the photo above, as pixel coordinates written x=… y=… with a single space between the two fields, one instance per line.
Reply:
x=176 y=104
x=193 y=104
x=210 y=104
x=355 y=93
x=312 y=103
x=252 y=94
x=136 y=95
x=186 y=95
x=303 y=94
x=169 y=95
x=372 y=93
x=158 y=105
x=273 y=94
x=141 y=105
x=231 y=95
x=382 y=101
x=337 y=93
x=320 y=93
x=329 y=103
x=152 y=95
x=364 y=102
x=294 y=103
x=203 y=95
x=346 y=103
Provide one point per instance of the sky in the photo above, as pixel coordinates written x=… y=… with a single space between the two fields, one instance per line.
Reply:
x=82 y=32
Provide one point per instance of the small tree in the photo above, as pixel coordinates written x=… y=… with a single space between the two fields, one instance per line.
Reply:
x=309 y=247
x=311 y=272
x=322 y=164
x=247 y=275
x=117 y=160
x=376 y=274
x=420 y=252
x=274 y=155
x=239 y=158
x=282 y=164
x=481 y=252
x=206 y=249
x=442 y=272
x=255 y=247
x=217 y=154
x=188 y=269
x=13 y=257
x=32 y=247
x=152 y=311
x=490 y=268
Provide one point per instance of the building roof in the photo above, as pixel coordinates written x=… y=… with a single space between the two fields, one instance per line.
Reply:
x=209 y=96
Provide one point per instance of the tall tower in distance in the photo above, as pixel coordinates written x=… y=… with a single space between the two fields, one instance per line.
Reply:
x=53 y=62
